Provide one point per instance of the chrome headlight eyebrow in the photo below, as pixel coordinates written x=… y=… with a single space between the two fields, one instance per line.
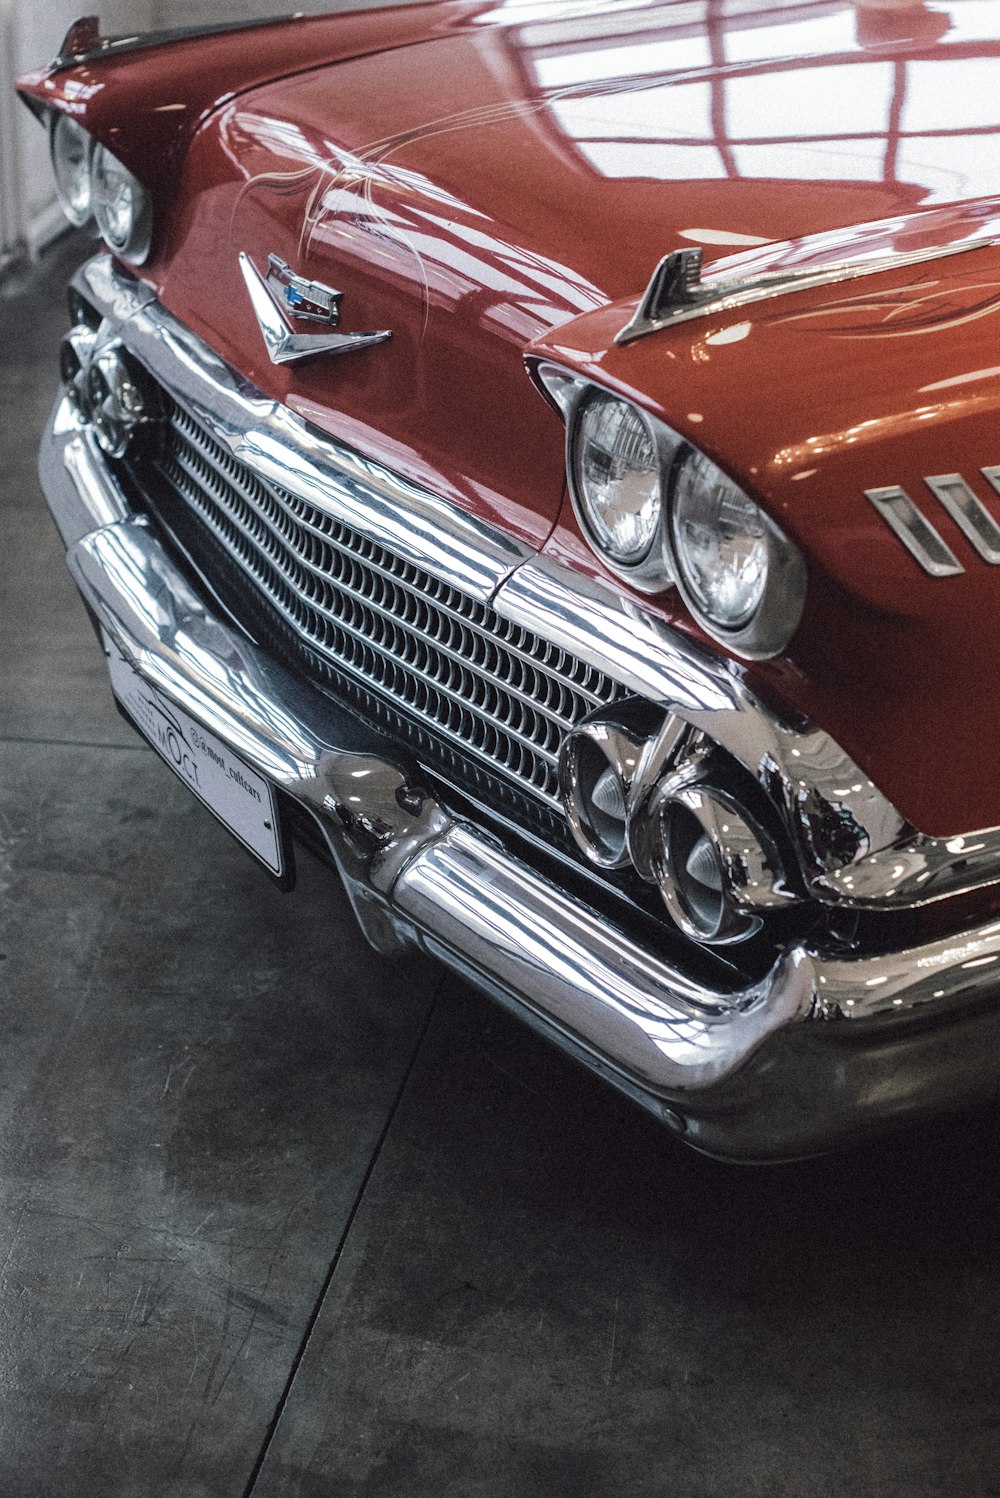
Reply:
x=658 y=511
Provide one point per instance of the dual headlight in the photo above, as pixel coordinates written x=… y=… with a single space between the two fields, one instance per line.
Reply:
x=93 y=183
x=659 y=511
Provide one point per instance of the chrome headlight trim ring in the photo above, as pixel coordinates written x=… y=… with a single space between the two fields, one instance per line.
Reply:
x=777 y=615
x=767 y=632
x=60 y=124
x=654 y=570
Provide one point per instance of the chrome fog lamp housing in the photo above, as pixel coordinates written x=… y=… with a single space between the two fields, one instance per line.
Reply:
x=742 y=578
x=75 y=352
x=118 y=400
x=718 y=869
x=122 y=207
x=71 y=149
x=598 y=765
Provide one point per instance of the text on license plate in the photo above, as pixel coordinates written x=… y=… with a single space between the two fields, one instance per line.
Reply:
x=228 y=787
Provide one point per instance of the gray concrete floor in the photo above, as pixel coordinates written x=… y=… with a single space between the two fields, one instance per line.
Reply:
x=277 y=1217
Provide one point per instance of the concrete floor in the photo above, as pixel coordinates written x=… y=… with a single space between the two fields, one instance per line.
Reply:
x=279 y=1217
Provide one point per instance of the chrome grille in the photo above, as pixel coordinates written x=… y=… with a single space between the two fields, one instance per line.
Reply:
x=446 y=660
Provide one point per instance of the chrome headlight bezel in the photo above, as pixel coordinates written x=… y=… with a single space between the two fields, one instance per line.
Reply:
x=132 y=242
x=653 y=570
x=128 y=235
x=776 y=617
x=61 y=124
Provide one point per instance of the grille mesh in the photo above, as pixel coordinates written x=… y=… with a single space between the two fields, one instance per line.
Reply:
x=456 y=668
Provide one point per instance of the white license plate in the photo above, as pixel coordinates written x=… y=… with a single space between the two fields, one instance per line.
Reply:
x=237 y=795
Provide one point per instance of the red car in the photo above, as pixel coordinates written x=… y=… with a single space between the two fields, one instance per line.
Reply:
x=545 y=458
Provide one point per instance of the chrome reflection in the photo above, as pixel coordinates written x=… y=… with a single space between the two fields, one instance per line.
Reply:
x=853 y=845
x=717 y=866
x=915 y=531
x=602 y=766
x=416 y=875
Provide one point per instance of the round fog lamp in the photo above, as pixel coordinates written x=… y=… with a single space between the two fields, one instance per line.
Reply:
x=616 y=470
x=71 y=149
x=117 y=401
x=598 y=764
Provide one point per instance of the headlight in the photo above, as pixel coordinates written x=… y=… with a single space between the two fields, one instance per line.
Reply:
x=121 y=206
x=71 y=149
x=658 y=511
x=741 y=576
x=617 y=478
x=720 y=543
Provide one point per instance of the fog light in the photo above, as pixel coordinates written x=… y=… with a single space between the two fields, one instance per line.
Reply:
x=74 y=356
x=118 y=400
x=597 y=768
x=718 y=869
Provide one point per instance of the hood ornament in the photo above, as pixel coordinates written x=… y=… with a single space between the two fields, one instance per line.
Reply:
x=282 y=295
x=677 y=293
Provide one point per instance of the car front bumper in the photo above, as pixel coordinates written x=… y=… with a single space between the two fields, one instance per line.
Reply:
x=824 y=1048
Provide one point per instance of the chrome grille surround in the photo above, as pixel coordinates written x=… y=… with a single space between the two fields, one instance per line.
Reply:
x=447 y=660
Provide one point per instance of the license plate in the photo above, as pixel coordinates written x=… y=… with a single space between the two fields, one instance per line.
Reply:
x=237 y=795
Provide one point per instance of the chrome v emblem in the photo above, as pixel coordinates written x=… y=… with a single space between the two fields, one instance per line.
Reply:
x=283 y=344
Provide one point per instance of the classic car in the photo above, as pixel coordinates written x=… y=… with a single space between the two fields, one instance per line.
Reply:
x=543 y=457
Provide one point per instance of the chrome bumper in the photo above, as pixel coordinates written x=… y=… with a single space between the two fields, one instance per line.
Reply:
x=759 y=1074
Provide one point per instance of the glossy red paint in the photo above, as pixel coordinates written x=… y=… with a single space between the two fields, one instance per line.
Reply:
x=508 y=176
x=146 y=105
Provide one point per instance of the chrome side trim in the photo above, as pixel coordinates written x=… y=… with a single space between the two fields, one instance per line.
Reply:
x=914 y=530
x=749 y=1074
x=968 y=512
x=676 y=292
x=439 y=537
x=992 y=477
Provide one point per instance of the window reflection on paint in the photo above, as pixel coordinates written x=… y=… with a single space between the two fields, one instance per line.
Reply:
x=839 y=114
x=662 y=163
x=814 y=37
x=842 y=100
x=951 y=94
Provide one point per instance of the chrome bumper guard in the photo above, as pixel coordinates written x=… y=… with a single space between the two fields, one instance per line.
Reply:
x=764 y=1073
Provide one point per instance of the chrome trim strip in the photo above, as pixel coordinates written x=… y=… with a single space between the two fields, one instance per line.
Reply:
x=915 y=531
x=969 y=513
x=84 y=43
x=439 y=537
x=676 y=292
x=992 y=477
x=731 y=1068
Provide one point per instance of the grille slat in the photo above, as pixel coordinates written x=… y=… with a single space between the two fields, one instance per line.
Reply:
x=447 y=660
x=543 y=686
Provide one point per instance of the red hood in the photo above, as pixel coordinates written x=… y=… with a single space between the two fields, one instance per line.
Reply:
x=517 y=167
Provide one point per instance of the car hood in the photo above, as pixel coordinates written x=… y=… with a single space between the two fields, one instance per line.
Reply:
x=477 y=189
